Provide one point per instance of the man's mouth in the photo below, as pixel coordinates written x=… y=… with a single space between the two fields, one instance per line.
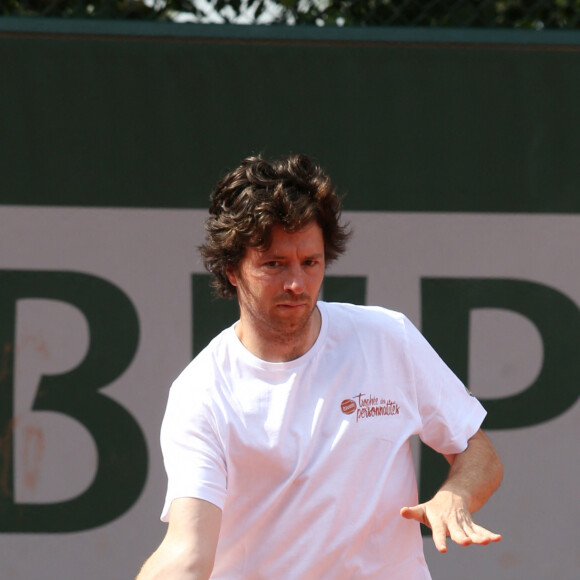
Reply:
x=296 y=304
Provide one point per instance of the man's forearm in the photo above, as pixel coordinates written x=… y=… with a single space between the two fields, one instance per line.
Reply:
x=475 y=473
x=170 y=564
x=188 y=550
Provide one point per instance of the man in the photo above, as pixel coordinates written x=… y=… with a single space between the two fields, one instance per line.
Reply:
x=286 y=441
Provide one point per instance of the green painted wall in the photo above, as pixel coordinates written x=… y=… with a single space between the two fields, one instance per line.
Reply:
x=110 y=114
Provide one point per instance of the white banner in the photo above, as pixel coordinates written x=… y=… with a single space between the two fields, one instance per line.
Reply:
x=143 y=260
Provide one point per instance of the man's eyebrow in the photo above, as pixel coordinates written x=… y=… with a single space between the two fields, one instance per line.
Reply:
x=270 y=254
x=274 y=254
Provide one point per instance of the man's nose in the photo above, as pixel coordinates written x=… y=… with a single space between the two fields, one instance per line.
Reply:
x=294 y=280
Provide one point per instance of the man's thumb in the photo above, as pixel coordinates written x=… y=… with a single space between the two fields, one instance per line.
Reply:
x=413 y=513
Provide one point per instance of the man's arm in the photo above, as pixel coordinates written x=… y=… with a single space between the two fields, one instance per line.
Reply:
x=474 y=475
x=188 y=550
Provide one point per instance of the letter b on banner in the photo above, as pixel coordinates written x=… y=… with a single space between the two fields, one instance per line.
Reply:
x=446 y=307
x=121 y=447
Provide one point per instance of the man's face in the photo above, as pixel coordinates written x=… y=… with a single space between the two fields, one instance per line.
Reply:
x=278 y=288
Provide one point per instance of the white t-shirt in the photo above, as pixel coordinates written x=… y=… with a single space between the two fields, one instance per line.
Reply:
x=310 y=460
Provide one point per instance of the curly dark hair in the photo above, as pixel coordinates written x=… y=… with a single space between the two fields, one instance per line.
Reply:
x=249 y=201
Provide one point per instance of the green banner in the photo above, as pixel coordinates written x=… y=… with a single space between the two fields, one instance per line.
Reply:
x=134 y=115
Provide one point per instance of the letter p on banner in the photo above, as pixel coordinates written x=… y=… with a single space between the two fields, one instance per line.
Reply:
x=446 y=307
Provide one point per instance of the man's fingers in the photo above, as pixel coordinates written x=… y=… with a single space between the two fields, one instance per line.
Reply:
x=467 y=533
x=415 y=513
x=461 y=534
x=482 y=536
x=449 y=518
x=440 y=537
x=409 y=512
x=460 y=527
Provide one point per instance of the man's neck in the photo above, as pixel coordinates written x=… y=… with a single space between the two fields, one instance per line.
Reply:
x=276 y=346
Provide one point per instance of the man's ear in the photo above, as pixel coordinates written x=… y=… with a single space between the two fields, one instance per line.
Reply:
x=232 y=275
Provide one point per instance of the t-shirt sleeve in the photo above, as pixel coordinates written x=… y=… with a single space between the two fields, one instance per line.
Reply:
x=450 y=414
x=192 y=451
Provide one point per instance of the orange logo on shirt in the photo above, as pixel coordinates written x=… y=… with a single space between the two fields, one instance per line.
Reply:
x=348 y=406
x=369 y=406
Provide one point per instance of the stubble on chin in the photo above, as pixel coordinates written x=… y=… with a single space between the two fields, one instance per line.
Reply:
x=289 y=329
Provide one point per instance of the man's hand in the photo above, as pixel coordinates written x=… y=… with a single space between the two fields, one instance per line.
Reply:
x=447 y=515
x=474 y=475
